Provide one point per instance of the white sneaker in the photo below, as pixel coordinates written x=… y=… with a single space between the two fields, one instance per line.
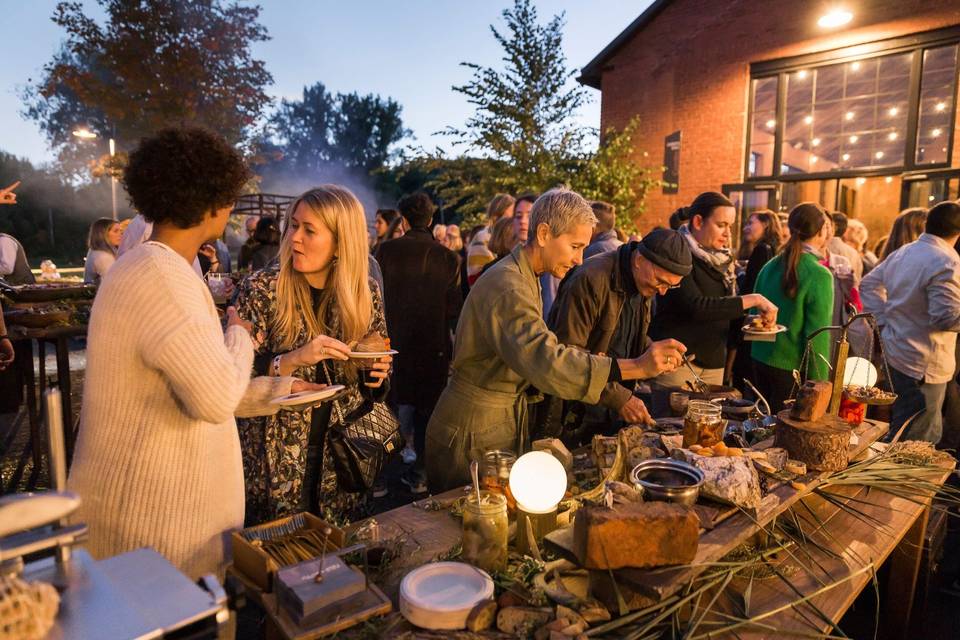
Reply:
x=408 y=455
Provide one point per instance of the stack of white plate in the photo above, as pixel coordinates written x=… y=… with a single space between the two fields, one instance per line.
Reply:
x=442 y=594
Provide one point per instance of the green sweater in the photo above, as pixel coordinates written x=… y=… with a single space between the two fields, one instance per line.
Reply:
x=809 y=311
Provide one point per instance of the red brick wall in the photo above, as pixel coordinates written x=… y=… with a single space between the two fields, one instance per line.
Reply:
x=689 y=69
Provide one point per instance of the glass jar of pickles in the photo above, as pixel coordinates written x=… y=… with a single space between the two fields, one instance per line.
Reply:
x=703 y=424
x=485 y=531
x=495 y=471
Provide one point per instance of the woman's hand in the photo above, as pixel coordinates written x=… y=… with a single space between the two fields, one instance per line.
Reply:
x=768 y=310
x=320 y=348
x=210 y=252
x=234 y=319
x=379 y=371
x=301 y=385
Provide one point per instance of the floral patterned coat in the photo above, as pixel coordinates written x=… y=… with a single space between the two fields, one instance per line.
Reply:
x=275 y=447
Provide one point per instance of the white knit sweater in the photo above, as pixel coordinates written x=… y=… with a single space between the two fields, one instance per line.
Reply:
x=158 y=461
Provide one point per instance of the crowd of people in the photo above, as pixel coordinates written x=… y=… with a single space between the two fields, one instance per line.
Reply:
x=543 y=321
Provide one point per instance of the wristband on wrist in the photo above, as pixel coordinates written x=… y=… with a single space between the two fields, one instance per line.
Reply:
x=276 y=366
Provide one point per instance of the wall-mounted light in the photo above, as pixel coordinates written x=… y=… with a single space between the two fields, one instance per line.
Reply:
x=936 y=133
x=861 y=181
x=808 y=119
x=802 y=74
x=892 y=135
x=771 y=124
x=855 y=66
x=815 y=142
x=813 y=159
x=878 y=155
x=893 y=111
x=845 y=157
x=853 y=139
x=835 y=18
x=940 y=106
x=849 y=115
x=888 y=179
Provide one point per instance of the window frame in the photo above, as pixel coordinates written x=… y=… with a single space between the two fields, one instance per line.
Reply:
x=914 y=43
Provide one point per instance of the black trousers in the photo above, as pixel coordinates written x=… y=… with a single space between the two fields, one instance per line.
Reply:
x=312 y=473
x=775 y=384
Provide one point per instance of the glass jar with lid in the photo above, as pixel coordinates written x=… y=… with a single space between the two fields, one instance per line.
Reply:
x=703 y=424
x=485 y=531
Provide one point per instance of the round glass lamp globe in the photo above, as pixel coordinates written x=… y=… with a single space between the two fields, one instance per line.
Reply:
x=860 y=372
x=538 y=482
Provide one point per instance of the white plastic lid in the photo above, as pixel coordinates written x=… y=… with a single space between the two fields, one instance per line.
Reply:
x=442 y=594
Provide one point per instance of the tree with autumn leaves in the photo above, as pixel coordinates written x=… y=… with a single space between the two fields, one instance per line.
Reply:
x=151 y=64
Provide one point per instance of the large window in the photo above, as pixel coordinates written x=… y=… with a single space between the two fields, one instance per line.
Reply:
x=936 y=110
x=869 y=114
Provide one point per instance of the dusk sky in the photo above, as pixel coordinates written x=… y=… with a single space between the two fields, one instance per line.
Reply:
x=408 y=50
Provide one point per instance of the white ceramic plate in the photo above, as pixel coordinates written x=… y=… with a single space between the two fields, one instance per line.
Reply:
x=441 y=595
x=308 y=397
x=764 y=332
x=362 y=355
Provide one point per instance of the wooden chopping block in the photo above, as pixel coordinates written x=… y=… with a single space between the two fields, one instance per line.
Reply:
x=813 y=400
x=823 y=445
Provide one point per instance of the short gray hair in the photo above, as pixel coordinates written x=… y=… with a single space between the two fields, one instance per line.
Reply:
x=561 y=209
x=857 y=232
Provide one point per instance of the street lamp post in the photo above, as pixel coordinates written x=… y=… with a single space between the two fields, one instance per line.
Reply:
x=85 y=134
x=113 y=180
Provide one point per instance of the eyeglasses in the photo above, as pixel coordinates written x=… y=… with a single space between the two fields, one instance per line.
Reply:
x=663 y=284
x=666 y=285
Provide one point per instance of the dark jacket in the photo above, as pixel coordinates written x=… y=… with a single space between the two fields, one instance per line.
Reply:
x=586 y=313
x=422 y=300
x=599 y=309
x=698 y=314
x=761 y=255
x=262 y=255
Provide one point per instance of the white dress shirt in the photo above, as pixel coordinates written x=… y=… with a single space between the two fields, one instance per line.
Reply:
x=915 y=296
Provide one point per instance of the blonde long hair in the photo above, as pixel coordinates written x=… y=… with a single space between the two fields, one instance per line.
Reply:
x=341 y=212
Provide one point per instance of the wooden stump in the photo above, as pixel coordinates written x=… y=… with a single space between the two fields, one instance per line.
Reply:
x=823 y=445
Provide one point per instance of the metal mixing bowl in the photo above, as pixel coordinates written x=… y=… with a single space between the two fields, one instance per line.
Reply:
x=668 y=480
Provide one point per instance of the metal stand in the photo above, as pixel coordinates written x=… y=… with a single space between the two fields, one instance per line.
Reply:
x=839 y=364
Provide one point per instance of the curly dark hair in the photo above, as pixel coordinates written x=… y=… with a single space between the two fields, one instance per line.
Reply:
x=178 y=175
x=417 y=208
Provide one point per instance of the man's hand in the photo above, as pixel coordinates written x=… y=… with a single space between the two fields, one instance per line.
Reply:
x=635 y=412
x=661 y=357
x=6 y=353
x=7 y=196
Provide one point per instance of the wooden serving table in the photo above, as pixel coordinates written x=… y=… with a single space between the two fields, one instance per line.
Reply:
x=844 y=550
x=422 y=534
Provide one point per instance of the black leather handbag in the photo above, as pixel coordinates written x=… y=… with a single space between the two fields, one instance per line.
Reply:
x=361 y=443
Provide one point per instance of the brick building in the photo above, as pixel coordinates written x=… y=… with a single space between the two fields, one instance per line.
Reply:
x=774 y=103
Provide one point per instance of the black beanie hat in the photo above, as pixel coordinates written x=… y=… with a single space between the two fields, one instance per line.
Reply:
x=668 y=250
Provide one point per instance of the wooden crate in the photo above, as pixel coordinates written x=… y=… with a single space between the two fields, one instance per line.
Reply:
x=259 y=568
